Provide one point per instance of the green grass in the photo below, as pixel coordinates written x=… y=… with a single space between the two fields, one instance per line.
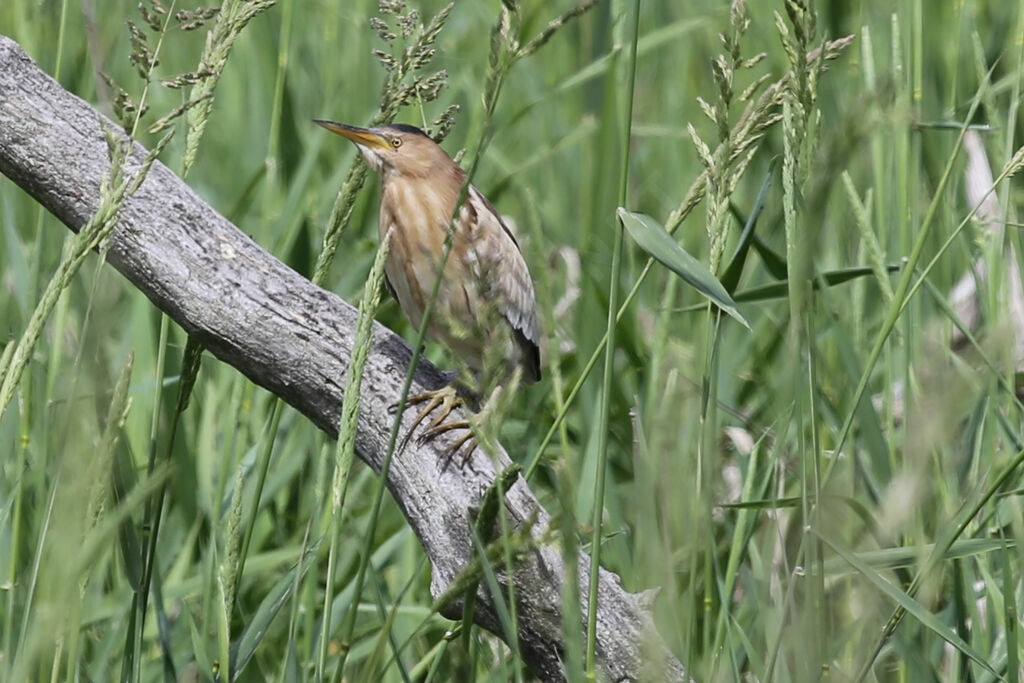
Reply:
x=786 y=502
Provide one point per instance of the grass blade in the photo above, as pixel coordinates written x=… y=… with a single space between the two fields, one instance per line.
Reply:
x=778 y=290
x=655 y=240
x=253 y=633
x=912 y=606
x=731 y=276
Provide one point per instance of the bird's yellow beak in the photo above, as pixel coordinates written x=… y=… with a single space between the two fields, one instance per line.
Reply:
x=360 y=136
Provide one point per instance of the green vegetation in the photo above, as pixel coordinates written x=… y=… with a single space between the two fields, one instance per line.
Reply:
x=819 y=485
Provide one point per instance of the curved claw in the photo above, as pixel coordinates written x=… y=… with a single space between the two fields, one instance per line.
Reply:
x=450 y=452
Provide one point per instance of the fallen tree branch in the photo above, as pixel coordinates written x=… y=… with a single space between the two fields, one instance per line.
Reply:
x=295 y=339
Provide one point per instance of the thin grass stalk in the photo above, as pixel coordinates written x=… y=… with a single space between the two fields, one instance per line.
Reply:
x=58 y=654
x=911 y=158
x=517 y=668
x=544 y=287
x=469 y=652
x=897 y=158
x=991 y=293
x=434 y=658
x=609 y=358
x=293 y=615
x=149 y=72
x=61 y=32
x=1012 y=245
x=787 y=605
x=59 y=316
x=227 y=575
x=483 y=529
x=572 y=617
x=86 y=319
x=875 y=252
x=502 y=610
x=262 y=467
x=816 y=583
x=24 y=440
x=348 y=625
x=659 y=341
x=1010 y=616
x=876 y=232
x=706 y=444
x=21 y=656
x=386 y=637
x=348 y=424
x=154 y=508
x=140 y=600
x=274 y=137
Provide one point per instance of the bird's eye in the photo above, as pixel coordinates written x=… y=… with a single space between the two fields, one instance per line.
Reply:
x=396 y=142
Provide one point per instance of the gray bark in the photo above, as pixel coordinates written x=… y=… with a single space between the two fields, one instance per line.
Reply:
x=295 y=339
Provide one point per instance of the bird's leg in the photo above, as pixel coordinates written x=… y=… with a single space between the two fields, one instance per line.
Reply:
x=444 y=401
x=479 y=426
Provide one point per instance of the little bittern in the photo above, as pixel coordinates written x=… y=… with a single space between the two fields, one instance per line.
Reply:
x=485 y=310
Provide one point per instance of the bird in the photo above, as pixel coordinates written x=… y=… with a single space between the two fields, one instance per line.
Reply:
x=486 y=311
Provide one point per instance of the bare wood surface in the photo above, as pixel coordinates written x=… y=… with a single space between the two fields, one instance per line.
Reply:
x=295 y=339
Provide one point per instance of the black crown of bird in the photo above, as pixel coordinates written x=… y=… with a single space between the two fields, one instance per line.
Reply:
x=485 y=312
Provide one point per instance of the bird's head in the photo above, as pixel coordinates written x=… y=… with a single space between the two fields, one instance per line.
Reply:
x=400 y=149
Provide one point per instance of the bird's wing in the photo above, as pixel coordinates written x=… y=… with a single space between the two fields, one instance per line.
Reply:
x=511 y=287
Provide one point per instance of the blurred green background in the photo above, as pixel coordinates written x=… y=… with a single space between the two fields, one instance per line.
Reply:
x=778 y=557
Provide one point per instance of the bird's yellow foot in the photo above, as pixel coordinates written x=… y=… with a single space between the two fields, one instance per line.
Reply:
x=443 y=401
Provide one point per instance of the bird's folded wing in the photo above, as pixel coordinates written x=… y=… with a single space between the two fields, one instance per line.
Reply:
x=511 y=286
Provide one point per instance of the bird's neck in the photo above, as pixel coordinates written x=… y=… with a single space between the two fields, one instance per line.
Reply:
x=426 y=201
